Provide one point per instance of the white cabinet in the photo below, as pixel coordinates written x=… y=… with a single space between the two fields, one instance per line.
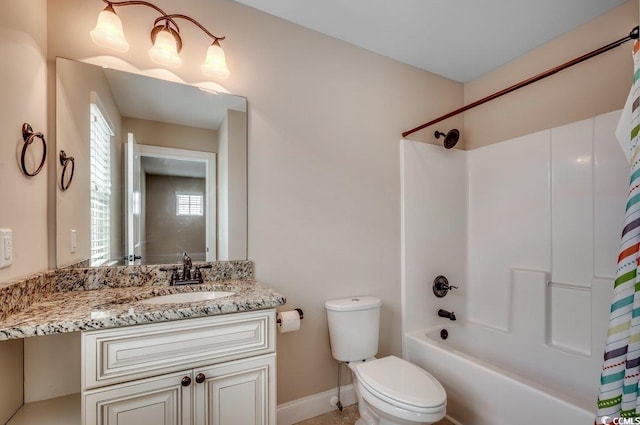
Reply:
x=241 y=392
x=209 y=371
x=162 y=400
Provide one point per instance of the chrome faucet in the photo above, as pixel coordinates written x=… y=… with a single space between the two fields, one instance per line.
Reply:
x=447 y=314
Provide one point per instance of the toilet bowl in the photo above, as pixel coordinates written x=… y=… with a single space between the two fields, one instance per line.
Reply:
x=392 y=391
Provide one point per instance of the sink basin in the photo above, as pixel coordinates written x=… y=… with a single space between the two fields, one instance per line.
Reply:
x=187 y=297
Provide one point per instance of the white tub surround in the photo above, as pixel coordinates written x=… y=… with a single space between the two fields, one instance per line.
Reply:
x=532 y=232
x=434 y=231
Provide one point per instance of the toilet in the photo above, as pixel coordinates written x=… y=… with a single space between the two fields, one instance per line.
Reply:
x=390 y=390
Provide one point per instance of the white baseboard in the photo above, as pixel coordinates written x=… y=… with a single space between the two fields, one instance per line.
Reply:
x=308 y=407
x=453 y=421
x=314 y=405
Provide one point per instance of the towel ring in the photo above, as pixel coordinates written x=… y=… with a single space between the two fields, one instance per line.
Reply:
x=65 y=161
x=28 y=135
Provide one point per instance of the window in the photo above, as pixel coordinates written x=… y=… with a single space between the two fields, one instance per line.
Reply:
x=100 y=172
x=189 y=203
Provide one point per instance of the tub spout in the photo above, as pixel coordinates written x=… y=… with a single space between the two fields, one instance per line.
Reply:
x=447 y=314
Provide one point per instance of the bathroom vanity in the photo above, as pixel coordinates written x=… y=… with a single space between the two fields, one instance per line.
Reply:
x=218 y=370
x=209 y=361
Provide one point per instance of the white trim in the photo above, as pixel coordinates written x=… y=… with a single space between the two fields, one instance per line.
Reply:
x=95 y=99
x=311 y=406
x=209 y=159
x=129 y=159
x=403 y=253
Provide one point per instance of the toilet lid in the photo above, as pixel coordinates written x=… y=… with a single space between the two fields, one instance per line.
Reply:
x=401 y=381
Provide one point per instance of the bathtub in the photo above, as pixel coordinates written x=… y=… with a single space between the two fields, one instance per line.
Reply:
x=493 y=379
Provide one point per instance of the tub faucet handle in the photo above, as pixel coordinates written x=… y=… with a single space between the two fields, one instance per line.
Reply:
x=441 y=286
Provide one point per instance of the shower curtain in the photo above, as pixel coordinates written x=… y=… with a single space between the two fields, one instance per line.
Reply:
x=619 y=395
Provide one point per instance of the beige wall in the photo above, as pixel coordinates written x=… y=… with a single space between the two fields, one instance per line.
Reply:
x=167 y=135
x=222 y=194
x=11 y=387
x=52 y=366
x=325 y=118
x=23 y=43
x=591 y=88
x=237 y=184
x=168 y=235
x=232 y=184
x=74 y=84
x=24 y=99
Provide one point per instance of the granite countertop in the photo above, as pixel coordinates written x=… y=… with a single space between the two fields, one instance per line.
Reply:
x=80 y=310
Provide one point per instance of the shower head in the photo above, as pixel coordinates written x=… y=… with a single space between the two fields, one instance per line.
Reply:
x=450 y=139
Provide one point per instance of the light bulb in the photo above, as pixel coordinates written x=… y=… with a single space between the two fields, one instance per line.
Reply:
x=215 y=63
x=165 y=51
x=108 y=31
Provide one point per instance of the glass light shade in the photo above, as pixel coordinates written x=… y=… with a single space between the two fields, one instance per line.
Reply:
x=165 y=51
x=108 y=32
x=215 y=63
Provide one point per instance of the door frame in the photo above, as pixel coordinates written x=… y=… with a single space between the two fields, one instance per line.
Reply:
x=209 y=159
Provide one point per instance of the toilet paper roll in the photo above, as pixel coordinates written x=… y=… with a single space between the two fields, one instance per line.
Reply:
x=288 y=321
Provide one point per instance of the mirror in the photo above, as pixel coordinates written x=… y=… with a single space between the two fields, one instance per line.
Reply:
x=160 y=169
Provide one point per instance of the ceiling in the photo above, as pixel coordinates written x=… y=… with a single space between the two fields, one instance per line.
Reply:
x=142 y=97
x=173 y=167
x=458 y=39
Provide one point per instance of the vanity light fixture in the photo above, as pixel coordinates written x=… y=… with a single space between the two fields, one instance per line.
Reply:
x=165 y=37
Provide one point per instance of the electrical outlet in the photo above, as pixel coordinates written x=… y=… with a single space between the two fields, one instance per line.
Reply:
x=6 y=248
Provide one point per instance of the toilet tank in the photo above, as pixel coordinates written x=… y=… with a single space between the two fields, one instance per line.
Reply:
x=354 y=324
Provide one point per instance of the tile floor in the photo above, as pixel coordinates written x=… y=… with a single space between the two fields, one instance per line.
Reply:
x=348 y=416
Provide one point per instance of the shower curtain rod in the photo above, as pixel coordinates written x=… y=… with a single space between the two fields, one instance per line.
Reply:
x=632 y=35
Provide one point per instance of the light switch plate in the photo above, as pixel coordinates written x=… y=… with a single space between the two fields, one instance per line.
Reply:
x=6 y=248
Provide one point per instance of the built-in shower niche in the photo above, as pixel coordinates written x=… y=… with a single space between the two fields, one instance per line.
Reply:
x=561 y=316
x=568 y=318
x=548 y=313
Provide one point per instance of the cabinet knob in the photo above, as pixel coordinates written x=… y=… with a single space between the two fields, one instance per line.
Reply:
x=200 y=378
x=186 y=381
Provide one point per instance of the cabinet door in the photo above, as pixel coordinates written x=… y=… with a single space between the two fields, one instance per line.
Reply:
x=240 y=392
x=163 y=400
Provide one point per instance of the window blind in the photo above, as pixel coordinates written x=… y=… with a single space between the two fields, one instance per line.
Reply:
x=189 y=203
x=100 y=172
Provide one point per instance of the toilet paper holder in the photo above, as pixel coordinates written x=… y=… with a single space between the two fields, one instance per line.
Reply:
x=299 y=310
